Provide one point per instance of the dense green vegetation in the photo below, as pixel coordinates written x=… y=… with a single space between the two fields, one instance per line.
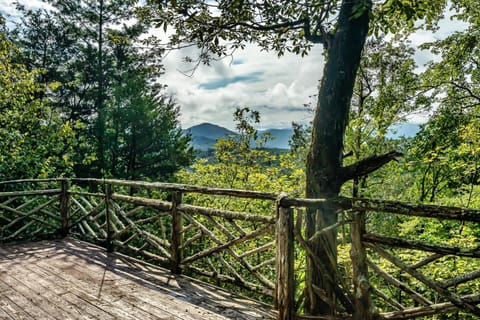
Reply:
x=78 y=97
x=342 y=27
x=34 y=141
x=78 y=72
x=94 y=91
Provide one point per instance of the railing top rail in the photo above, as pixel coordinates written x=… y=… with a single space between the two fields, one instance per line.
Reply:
x=32 y=180
x=409 y=209
x=343 y=203
x=389 y=206
x=30 y=193
x=184 y=188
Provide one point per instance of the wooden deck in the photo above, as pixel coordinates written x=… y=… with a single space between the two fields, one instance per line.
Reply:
x=70 y=279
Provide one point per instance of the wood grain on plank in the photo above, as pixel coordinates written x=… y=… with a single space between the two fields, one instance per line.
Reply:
x=70 y=279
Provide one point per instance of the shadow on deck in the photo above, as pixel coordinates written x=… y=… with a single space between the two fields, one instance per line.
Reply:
x=71 y=279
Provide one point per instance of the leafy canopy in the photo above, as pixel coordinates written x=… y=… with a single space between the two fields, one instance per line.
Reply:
x=34 y=142
x=220 y=27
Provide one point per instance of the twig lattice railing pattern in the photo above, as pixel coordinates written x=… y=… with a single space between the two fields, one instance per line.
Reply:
x=262 y=248
x=393 y=277
x=429 y=277
x=150 y=221
x=29 y=212
x=224 y=246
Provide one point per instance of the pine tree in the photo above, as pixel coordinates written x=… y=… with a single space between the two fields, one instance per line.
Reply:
x=90 y=50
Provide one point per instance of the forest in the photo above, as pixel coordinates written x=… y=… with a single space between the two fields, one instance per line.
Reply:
x=82 y=96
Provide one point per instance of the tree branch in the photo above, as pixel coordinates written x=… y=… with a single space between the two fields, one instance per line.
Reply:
x=301 y=23
x=347 y=154
x=260 y=27
x=464 y=87
x=315 y=38
x=367 y=165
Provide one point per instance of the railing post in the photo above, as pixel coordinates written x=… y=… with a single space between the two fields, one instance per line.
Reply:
x=358 y=254
x=108 y=217
x=64 y=207
x=177 y=235
x=285 y=285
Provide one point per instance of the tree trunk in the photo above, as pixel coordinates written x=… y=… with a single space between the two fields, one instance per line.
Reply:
x=100 y=98
x=324 y=162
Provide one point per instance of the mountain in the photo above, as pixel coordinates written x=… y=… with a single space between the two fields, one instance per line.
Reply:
x=205 y=135
x=281 y=137
x=209 y=130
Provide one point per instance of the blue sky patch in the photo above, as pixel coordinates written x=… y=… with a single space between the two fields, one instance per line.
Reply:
x=222 y=83
x=238 y=62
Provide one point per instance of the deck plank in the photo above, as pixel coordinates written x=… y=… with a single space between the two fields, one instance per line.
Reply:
x=100 y=293
x=10 y=310
x=53 y=290
x=29 y=308
x=74 y=303
x=71 y=279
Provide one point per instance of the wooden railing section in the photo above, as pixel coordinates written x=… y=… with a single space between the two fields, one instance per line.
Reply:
x=263 y=248
x=387 y=277
x=224 y=246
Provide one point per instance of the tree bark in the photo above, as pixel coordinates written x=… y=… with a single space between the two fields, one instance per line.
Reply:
x=324 y=162
x=100 y=108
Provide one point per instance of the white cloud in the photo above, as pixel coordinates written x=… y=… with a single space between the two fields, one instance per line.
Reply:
x=277 y=87
x=446 y=27
x=281 y=88
x=8 y=7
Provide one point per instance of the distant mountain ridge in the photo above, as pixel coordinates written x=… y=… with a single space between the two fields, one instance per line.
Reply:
x=205 y=135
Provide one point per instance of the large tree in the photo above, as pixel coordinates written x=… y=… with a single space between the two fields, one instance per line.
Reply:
x=341 y=26
x=143 y=135
x=33 y=141
x=103 y=78
x=77 y=46
x=447 y=149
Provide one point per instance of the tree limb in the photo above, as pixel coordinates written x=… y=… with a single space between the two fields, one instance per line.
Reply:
x=314 y=38
x=464 y=87
x=367 y=165
x=301 y=23
x=347 y=154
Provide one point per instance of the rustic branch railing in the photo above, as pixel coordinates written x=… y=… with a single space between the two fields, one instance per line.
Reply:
x=261 y=248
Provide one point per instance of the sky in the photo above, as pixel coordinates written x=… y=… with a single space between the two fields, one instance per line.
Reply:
x=276 y=87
